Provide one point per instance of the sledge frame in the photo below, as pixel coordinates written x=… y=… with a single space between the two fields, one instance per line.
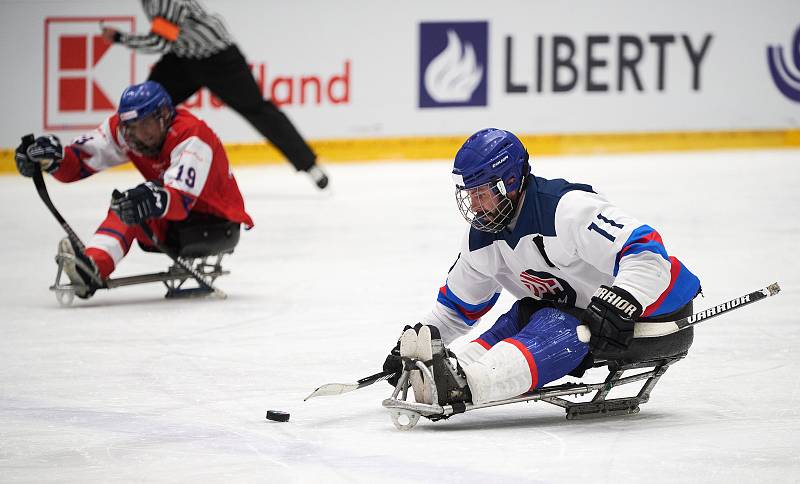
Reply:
x=174 y=278
x=406 y=414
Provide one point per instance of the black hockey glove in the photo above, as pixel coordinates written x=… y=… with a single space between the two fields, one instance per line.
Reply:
x=393 y=361
x=611 y=316
x=140 y=203
x=45 y=153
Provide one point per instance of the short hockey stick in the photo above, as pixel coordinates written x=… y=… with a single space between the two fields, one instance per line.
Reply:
x=339 y=388
x=652 y=330
x=41 y=189
x=182 y=263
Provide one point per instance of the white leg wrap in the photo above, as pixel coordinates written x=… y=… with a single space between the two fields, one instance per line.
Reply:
x=109 y=245
x=503 y=372
x=418 y=347
x=424 y=350
x=424 y=353
x=471 y=353
x=408 y=344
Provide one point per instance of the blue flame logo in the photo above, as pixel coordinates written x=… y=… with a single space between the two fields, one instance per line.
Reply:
x=787 y=81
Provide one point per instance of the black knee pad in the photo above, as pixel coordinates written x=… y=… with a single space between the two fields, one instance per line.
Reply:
x=203 y=235
x=527 y=306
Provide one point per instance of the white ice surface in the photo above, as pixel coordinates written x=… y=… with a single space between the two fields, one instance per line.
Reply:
x=129 y=386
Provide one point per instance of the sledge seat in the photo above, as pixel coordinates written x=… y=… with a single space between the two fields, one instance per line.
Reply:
x=648 y=349
x=649 y=357
x=199 y=236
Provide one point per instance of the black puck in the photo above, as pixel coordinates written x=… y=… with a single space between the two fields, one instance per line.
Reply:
x=277 y=416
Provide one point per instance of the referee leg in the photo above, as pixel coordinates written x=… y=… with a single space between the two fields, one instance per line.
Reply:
x=227 y=76
x=176 y=76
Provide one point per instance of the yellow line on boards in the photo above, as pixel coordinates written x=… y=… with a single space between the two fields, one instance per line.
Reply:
x=445 y=147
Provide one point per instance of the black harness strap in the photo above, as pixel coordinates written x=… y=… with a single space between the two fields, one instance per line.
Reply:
x=539 y=241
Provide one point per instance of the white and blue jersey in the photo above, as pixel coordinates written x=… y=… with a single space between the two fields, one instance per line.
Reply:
x=565 y=242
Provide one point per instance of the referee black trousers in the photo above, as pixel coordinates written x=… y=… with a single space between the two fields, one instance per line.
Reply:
x=228 y=77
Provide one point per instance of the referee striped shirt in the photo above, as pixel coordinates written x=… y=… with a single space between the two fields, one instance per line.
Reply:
x=180 y=27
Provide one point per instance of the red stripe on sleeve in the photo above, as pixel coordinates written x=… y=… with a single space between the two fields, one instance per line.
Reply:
x=654 y=235
x=471 y=315
x=474 y=315
x=483 y=343
x=674 y=270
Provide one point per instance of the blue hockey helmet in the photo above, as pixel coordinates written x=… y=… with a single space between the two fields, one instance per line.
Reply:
x=488 y=155
x=142 y=100
x=145 y=114
x=490 y=165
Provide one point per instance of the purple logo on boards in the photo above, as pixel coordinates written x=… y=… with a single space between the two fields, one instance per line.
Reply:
x=786 y=79
x=453 y=59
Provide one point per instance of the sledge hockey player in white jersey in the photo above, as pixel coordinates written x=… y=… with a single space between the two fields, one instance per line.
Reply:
x=568 y=255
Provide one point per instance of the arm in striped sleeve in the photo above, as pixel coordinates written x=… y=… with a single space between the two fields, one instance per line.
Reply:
x=167 y=16
x=466 y=296
x=92 y=152
x=631 y=252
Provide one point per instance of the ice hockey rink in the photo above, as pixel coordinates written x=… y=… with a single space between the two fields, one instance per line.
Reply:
x=129 y=386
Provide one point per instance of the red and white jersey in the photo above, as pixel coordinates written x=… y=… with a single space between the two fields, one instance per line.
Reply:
x=192 y=165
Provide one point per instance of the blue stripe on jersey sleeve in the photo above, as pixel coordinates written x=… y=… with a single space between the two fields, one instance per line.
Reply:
x=469 y=313
x=643 y=239
x=683 y=289
x=683 y=285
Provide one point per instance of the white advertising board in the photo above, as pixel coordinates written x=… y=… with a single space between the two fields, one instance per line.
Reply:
x=360 y=69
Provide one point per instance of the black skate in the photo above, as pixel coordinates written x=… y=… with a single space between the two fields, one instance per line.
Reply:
x=449 y=379
x=80 y=270
x=437 y=382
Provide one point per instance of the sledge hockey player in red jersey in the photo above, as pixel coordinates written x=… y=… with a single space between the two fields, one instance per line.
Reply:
x=569 y=256
x=188 y=179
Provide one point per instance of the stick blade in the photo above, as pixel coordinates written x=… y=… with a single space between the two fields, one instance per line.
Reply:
x=332 y=389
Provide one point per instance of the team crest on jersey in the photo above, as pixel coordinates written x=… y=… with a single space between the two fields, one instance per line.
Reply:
x=544 y=285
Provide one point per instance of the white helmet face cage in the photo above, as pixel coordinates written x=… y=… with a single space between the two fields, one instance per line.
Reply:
x=486 y=207
x=156 y=123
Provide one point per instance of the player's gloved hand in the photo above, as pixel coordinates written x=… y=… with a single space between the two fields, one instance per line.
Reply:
x=143 y=202
x=393 y=361
x=45 y=153
x=611 y=316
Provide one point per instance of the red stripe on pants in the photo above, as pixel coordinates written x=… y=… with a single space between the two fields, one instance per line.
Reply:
x=114 y=227
x=529 y=358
